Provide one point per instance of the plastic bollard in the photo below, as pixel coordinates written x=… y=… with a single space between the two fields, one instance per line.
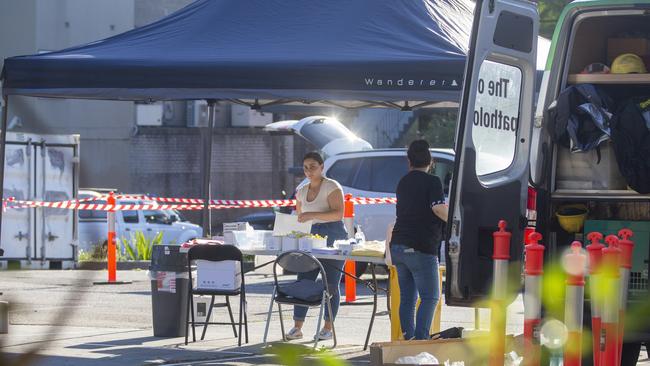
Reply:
x=595 y=258
x=611 y=283
x=350 y=266
x=111 y=248
x=534 y=268
x=501 y=256
x=574 y=301
x=627 y=250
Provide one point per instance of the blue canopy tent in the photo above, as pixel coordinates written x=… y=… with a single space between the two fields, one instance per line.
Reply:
x=402 y=54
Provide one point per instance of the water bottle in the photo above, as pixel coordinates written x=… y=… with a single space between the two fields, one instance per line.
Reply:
x=359 y=236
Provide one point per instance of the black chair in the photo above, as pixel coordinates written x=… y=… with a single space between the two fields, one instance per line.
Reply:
x=216 y=253
x=305 y=293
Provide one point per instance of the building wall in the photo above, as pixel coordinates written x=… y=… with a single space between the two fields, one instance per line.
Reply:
x=148 y=11
x=105 y=126
x=246 y=164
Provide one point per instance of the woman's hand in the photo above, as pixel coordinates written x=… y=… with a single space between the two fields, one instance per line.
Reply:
x=306 y=216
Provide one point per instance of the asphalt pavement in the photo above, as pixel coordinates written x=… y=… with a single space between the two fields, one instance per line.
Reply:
x=67 y=320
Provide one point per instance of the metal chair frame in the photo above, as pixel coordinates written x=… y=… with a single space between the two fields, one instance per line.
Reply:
x=326 y=297
x=217 y=253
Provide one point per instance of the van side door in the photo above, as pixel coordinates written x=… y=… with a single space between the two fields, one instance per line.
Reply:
x=492 y=145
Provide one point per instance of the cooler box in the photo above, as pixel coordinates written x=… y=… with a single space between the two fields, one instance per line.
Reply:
x=224 y=275
x=641 y=239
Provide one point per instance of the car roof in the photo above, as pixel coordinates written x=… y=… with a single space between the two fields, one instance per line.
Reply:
x=393 y=150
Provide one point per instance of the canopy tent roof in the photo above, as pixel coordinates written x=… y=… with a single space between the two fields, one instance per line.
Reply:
x=337 y=52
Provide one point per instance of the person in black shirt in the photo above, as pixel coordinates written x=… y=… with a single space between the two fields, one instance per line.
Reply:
x=415 y=241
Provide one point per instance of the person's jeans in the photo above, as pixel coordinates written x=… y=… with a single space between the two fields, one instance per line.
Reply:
x=417 y=273
x=333 y=268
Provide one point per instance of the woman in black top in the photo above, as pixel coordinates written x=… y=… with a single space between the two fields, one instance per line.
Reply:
x=415 y=241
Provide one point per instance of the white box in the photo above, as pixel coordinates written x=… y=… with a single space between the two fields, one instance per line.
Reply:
x=149 y=114
x=235 y=226
x=275 y=243
x=224 y=275
x=289 y=243
x=305 y=244
x=319 y=243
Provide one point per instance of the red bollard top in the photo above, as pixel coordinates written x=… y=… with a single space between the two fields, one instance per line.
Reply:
x=527 y=231
x=534 y=265
x=501 y=242
x=627 y=247
x=348 y=206
x=575 y=262
x=595 y=251
x=611 y=257
x=111 y=199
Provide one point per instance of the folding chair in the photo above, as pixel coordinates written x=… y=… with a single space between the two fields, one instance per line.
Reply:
x=216 y=253
x=293 y=293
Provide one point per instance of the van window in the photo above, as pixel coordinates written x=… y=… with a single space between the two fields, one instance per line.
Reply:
x=496 y=117
x=92 y=215
x=156 y=217
x=443 y=169
x=130 y=217
x=343 y=171
x=387 y=172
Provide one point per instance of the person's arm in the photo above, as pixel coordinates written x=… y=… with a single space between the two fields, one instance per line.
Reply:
x=335 y=201
x=298 y=207
x=437 y=199
x=441 y=210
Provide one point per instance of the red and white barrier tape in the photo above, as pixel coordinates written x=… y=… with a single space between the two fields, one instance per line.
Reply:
x=178 y=204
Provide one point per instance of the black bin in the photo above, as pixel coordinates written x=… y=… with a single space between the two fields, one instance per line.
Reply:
x=169 y=281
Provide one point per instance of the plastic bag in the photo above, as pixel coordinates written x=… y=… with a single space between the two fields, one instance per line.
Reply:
x=423 y=358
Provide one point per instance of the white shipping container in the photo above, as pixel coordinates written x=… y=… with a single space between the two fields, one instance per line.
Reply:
x=223 y=275
x=41 y=167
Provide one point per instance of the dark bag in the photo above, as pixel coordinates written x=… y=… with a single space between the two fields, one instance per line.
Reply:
x=451 y=333
x=631 y=141
x=579 y=119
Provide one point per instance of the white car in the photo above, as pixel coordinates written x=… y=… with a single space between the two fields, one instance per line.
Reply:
x=361 y=170
x=93 y=225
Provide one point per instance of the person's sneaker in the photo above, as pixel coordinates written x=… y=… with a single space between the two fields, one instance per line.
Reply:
x=294 y=333
x=324 y=335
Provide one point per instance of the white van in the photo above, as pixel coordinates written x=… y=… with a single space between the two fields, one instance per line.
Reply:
x=93 y=226
x=502 y=145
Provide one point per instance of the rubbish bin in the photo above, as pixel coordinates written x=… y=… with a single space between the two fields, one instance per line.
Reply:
x=169 y=281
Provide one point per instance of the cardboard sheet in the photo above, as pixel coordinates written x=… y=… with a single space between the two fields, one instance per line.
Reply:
x=285 y=224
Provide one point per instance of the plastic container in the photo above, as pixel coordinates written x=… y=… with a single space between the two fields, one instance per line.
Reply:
x=169 y=288
x=319 y=243
x=289 y=243
x=275 y=243
x=305 y=244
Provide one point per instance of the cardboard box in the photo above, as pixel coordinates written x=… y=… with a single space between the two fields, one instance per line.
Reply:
x=224 y=275
x=471 y=351
x=619 y=46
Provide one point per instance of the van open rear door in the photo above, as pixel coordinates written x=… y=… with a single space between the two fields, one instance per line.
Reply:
x=492 y=145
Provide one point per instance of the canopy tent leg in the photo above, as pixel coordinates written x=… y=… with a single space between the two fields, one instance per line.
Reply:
x=3 y=138
x=206 y=217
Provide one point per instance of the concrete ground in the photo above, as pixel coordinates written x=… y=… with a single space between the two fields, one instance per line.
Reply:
x=73 y=322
